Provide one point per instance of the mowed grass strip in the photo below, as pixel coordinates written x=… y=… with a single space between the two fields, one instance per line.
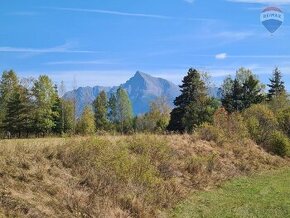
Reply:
x=265 y=195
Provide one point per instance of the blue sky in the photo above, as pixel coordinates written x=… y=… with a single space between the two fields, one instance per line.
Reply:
x=104 y=42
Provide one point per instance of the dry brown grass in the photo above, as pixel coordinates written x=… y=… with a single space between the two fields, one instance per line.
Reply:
x=116 y=176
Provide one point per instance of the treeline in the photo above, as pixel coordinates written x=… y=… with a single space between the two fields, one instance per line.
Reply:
x=245 y=111
x=33 y=107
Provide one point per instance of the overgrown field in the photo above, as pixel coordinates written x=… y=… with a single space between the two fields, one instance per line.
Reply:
x=117 y=176
x=265 y=195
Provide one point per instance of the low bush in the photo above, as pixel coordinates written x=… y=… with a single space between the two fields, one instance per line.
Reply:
x=261 y=123
x=284 y=121
x=279 y=144
x=209 y=132
x=225 y=128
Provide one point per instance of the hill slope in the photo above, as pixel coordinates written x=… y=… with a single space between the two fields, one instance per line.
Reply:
x=126 y=176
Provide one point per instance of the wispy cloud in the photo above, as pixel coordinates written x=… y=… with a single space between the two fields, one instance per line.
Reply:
x=234 y=35
x=111 y=12
x=260 y=56
x=129 y=14
x=93 y=62
x=65 y=48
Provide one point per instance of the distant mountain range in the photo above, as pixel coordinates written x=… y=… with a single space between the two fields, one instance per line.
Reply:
x=142 y=89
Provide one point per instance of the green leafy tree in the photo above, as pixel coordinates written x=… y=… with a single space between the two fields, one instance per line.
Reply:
x=86 y=123
x=156 y=120
x=193 y=107
x=68 y=116
x=100 y=106
x=124 y=111
x=276 y=85
x=45 y=99
x=261 y=122
x=284 y=121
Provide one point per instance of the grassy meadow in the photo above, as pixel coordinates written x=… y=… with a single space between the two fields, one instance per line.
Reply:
x=118 y=176
x=264 y=195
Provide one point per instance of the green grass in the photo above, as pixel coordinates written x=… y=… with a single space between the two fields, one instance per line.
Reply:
x=265 y=195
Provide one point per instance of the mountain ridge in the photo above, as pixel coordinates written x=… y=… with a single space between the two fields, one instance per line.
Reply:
x=142 y=88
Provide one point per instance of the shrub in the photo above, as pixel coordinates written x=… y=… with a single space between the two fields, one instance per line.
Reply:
x=226 y=127
x=209 y=132
x=200 y=165
x=279 y=144
x=261 y=122
x=279 y=103
x=284 y=121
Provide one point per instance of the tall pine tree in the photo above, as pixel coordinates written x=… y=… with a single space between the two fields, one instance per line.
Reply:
x=276 y=85
x=57 y=113
x=18 y=119
x=8 y=84
x=242 y=92
x=193 y=106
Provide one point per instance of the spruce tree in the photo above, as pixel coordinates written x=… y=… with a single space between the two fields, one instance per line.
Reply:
x=8 y=84
x=112 y=114
x=100 y=106
x=233 y=100
x=252 y=93
x=242 y=92
x=57 y=113
x=18 y=118
x=193 y=106
x=276 y=85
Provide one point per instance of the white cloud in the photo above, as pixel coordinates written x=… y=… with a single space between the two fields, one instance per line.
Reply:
x=221 y=56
